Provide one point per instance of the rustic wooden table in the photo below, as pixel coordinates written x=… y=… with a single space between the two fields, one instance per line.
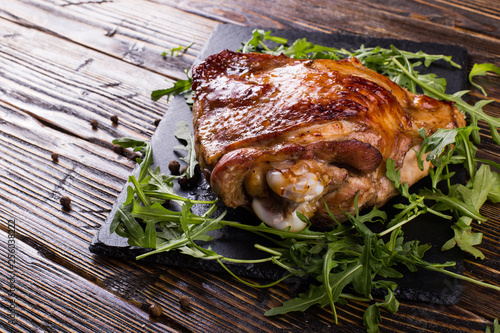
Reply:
x=64 y=63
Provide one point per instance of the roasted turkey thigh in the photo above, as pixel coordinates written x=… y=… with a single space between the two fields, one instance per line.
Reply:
x=279 y=135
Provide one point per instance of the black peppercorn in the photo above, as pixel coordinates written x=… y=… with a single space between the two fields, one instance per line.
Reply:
x=174 y=167
x=65 y=201
x=94 y=123
x=114 y=119
x=54 y=156
x=118 y=149
x=184 y=301
x=183 y=182
x=155 y=310
x=135 y=156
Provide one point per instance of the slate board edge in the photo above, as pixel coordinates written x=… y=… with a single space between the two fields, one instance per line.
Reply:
x=112 y=245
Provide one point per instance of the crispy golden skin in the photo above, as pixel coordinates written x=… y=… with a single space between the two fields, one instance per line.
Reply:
x=294 y=134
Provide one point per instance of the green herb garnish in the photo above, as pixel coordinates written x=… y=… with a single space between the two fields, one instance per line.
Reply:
x=482 y=70
x=180 y=87
x=496 y=327
x=347 y=263
x=350 y=261
x=177 y=51
x=183 y=133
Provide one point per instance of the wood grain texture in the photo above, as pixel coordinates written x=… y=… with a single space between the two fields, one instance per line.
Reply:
x=66 y=62
x=135 y=32
x=461 y=23
x=50 y=298
x=66 y=86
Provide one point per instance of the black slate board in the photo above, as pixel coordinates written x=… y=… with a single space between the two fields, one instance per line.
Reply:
x=422 y=285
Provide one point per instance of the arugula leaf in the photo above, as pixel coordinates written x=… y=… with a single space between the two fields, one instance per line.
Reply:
x=177 y=51
x=183 y=132
x=117 y=218
x=478 y=188
x=482 y=70
x=475 y=111
x=474 y=195
x=371 y=317
x=138 y=189
x=133 y=228
x=435 y=144
x=452 y=203
x=162 y=182
x=340 y=280
x=494 y=194
x=349 y=261
x=363 y=281
x=128 y=142
x=304 y=301
x=256 y=42
x=154 y=213
x=141 y=146
x=179 y=87
x=395 y=176
x=149 y=236
x=466 y=240
x=496 y=327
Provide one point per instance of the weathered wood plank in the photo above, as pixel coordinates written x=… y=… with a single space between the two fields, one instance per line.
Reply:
x=50 y=298
x=31 y=196
x=133 y=31
x=67 y=86
x=437 y=21
x=47 y=73
x=94 y=42
x=63 y=238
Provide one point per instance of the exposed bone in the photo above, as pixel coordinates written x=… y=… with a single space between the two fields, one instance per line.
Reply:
x=298 y=188
x=263 y=209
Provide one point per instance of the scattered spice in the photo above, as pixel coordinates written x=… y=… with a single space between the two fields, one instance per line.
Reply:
x=118 y=149
x=134 y=156
x=183 y=182
x=157 y=122
x=114 y=119
x=94 y=123
x=186 y=182
x=174 y=167
x=55 y=157
x=155 y=310
x=184 y=301
x=65 y=202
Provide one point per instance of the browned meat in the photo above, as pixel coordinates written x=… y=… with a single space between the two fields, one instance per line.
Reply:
x=281 y=135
